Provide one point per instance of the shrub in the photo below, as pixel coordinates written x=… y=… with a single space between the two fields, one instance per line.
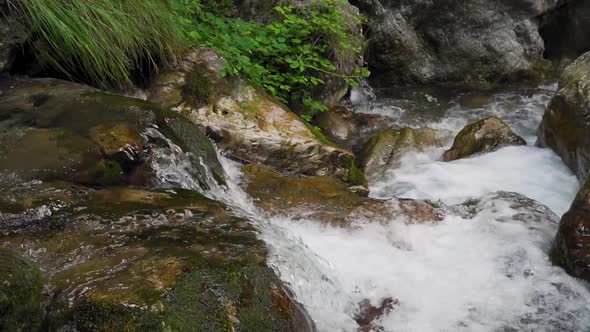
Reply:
x=289 y=56
x=101 y=40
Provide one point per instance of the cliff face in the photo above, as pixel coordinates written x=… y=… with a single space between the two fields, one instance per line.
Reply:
x=474 y=41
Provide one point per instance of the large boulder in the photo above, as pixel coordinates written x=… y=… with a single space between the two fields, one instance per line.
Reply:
x=571 y=248
x=131 y=259
x=473 y=41
x=246 y=122
x=485 y=135
x=326 y=199
x=386 y=149
x=58 y=130
x=565 y=127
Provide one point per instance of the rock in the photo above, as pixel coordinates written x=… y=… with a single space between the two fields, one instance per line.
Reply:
x=58 y=130
x=368 y=313
x=248 y=123
x=12 y=37
x=485 y=135
x=21 y=293
x=46 y=153
x=348 y=129
x=565 y=127
x=385 y=150
x=571 y=248
x=118 y=142
x=326 y=199
x=476 y=42
x=137 y=259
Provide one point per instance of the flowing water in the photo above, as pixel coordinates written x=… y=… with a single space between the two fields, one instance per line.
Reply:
x=489 y=272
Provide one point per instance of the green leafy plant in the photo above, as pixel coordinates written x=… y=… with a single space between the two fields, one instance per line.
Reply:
x=308 y=44
x=102 y=40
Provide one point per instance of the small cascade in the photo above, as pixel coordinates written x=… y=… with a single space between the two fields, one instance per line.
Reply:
x=487 y=270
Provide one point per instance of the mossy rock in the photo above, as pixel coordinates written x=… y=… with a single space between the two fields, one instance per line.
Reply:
x=482 y=136
x=328 y=200
x=21 y=293
x=385 y=150
x=197 y=88
x=67 y=125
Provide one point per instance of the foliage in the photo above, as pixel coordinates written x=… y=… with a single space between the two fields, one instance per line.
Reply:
x=197 y=88
x=102 y=40
x=288 y=57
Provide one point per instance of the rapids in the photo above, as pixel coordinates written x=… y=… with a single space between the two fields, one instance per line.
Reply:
x=487 y=273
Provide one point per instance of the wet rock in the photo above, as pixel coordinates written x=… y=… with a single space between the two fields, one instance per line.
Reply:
x=368 y=313
x=565 y=127
x=348 y=129
x=21 y=289
x=385 y=150
x=326 y=199
x=248 y=123
x=485 y=135
x=571 y=248
x=135 y=259
x=46 y=153
x=475 y=42
x=58 y=130
x=118 y=142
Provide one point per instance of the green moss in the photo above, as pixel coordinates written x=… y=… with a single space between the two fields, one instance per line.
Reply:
x=317 y=132
x=356 y=176
x=21 y=290
x=197 y=88
x=105 y=173
x=109 y=316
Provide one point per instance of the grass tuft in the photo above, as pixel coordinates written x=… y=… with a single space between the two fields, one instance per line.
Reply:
x=102 y=39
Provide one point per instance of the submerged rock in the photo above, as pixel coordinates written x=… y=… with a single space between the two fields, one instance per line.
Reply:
x=571 y=248
x=565 y=127
x=385 y=150
x=21 y=290
x=474 y=42
x=326 y=199
x=485 y=135
x=246 y=122
x=58 y=130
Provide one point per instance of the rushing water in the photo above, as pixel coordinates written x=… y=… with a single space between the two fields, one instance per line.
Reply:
x=487 y=273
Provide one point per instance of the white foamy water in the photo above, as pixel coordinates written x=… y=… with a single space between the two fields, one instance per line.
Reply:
x=486 y=271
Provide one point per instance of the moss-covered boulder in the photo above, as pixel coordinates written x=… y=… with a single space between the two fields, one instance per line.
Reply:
x=58 y=130
x=385 y=150
x=327 y=199
x=246 y=122
x=485 y=135
x=571 y=248
x=21 y=293
x=565 y=127
x=131 y=259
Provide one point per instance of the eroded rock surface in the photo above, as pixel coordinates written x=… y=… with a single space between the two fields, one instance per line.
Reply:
x=248 y=123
